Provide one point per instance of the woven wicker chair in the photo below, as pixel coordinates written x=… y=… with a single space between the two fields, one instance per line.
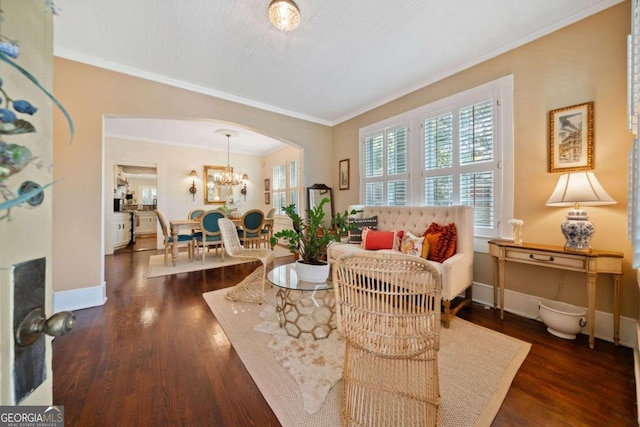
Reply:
x=388 y=309
x=251 y=289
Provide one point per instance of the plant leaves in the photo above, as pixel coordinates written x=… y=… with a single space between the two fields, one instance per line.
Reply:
x=33 y=80
x=18 y=127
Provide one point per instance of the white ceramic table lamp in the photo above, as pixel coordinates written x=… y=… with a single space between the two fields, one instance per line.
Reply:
x=576 y=189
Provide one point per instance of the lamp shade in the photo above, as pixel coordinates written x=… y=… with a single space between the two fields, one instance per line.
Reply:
x=580 y=188
x=575 y=189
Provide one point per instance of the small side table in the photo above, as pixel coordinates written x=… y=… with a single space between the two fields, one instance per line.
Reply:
x=303 y=307
x=591 y=263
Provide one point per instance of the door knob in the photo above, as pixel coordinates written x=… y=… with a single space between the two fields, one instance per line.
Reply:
x=35 y=323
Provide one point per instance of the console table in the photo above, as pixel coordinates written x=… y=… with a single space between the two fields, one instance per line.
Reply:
x=591 y=263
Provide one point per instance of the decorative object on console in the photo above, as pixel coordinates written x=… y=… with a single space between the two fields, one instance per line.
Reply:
x=571 y=138
x=516 y=227
x=193 y=190
x=284 y=14
x=575 y=189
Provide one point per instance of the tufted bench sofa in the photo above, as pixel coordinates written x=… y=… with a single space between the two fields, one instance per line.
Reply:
x=456 y=272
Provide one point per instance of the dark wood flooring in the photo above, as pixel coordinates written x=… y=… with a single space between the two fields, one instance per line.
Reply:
x=154 y=355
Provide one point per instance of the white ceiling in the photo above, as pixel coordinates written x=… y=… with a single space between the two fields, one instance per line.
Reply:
x=345 y=58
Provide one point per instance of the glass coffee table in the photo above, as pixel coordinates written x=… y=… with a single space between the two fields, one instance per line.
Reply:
x=303 y=307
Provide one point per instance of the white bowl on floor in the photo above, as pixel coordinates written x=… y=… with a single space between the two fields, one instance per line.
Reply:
x=562 y=320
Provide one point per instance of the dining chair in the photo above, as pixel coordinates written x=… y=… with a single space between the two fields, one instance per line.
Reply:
x=267 y=231
x=195 y=214
x=388 y=310
x=209 y=234
x=183 y=239
x=251 y=289
x=250 y=231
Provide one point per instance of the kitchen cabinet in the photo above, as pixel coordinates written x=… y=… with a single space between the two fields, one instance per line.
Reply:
x=121 y=229
x=146 y=223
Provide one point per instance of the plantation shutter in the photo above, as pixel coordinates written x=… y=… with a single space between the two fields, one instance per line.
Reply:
x=477 y=152
x=278 y=184
x=294 y=184
x=386 y=167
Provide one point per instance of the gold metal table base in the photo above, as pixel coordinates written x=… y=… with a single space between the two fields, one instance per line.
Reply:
x=306 y=312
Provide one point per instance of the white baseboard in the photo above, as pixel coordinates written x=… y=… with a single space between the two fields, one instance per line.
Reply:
x=515 y=302
x=527 y=306
x=77 y=299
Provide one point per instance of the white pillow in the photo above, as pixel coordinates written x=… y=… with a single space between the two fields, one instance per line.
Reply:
x=411 y=244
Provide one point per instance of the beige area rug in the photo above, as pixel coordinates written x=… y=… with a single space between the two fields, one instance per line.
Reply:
x=477 y=366
x=183 y=265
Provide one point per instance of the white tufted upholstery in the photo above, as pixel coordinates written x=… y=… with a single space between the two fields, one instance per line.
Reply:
x=456 y=272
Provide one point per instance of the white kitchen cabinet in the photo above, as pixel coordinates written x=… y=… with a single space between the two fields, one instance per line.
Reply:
x=121 y=229
x=146 y=223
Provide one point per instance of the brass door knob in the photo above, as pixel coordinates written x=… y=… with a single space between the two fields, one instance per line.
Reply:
x=35 y=323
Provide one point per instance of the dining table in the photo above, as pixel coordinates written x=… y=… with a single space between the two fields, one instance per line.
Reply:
x=176 y=225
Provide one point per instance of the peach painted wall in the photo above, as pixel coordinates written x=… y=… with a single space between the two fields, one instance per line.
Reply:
x=583 y=62
x=89 y=93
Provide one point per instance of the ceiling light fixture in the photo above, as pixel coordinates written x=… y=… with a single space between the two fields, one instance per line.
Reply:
x=227 y=178
x=284 y=14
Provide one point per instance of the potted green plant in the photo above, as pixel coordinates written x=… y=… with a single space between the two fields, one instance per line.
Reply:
x=340 y=223
x=310 y=239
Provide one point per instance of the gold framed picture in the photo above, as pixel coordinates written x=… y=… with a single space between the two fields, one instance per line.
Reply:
x=571 y=138
x=267 y=198
x=343 y=177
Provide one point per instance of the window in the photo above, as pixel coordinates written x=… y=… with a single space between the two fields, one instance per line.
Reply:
x=459 y=166
x=386 y=167
x=285 y=186
x=455 y=151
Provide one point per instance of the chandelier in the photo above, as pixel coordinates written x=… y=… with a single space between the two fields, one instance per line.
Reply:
x=284 y=14
x=227 y=177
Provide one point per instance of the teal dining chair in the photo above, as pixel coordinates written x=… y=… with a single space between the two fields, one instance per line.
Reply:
x=250 y=232
x=209 y=234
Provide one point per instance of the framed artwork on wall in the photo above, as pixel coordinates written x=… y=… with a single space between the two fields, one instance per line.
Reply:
x=343 y=170
x=267 y=198
x=571 y=138
x=267 y=184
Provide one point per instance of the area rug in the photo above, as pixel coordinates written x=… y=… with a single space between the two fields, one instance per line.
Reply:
x=184 y=265
x=477 y=366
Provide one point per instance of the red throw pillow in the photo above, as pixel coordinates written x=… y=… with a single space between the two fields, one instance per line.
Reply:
x=442 y=241
x=374 y=240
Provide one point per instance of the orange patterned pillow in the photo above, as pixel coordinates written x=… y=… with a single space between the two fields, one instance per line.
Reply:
x=442 y=241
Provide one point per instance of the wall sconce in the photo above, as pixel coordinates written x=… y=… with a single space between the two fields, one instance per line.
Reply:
x=243 y=190
x=193 y=190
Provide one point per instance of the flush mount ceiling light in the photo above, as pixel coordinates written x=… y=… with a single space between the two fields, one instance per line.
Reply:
x=284 y=14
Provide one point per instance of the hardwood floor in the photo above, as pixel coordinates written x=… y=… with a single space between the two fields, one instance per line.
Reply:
x=155 y=355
